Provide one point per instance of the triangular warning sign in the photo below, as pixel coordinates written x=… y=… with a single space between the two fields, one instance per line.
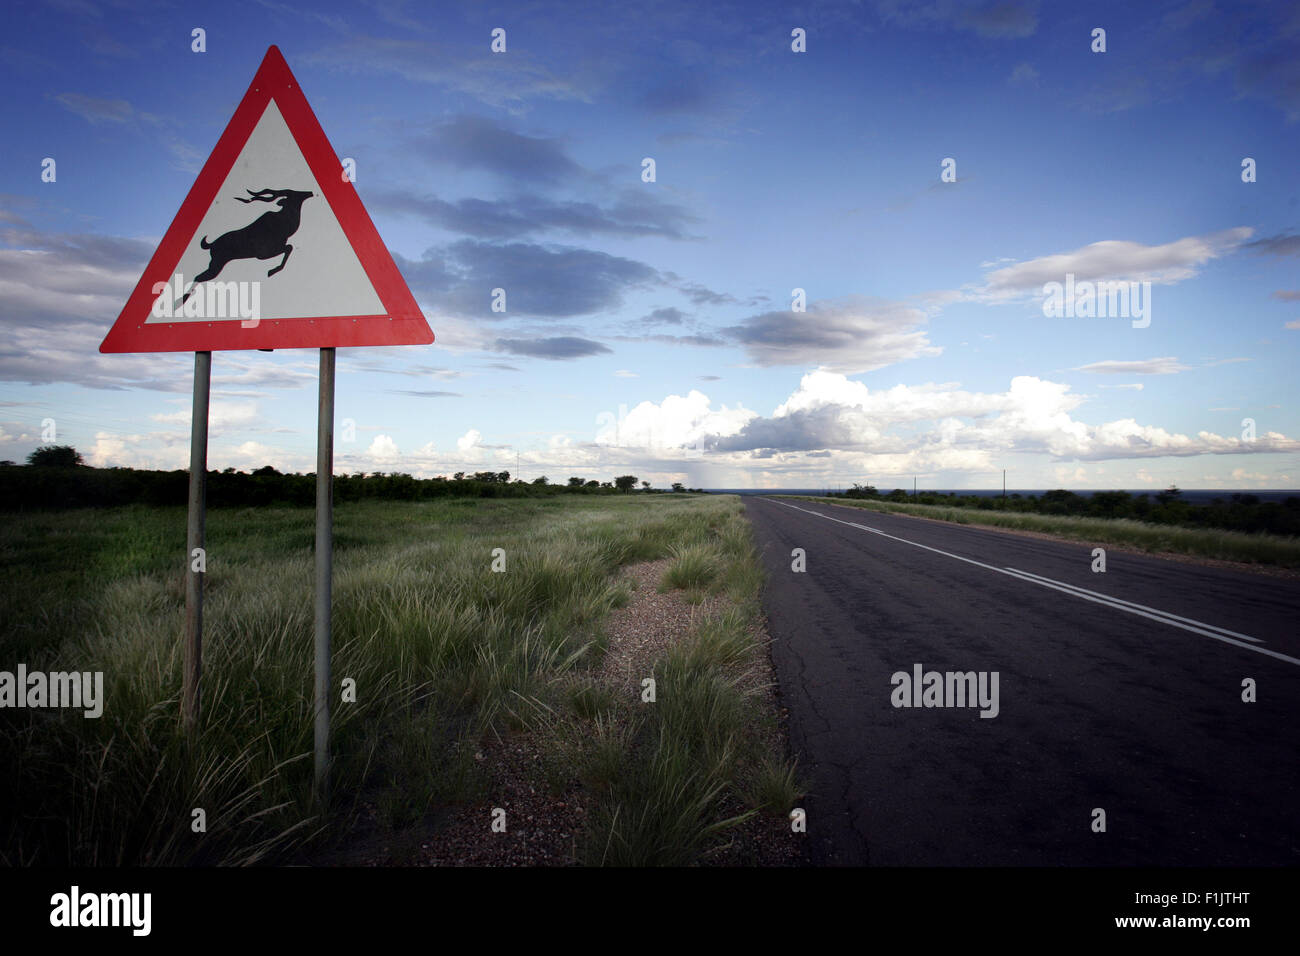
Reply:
x=272 y=248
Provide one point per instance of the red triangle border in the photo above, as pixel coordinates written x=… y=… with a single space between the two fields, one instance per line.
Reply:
x=402 y=323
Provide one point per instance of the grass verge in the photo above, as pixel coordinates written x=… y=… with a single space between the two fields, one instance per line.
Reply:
x=444 y=653
x=705 y=757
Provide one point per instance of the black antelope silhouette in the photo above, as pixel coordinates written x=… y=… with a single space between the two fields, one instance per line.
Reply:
x=264 y=238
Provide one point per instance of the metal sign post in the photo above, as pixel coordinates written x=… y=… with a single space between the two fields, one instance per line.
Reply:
x=193 y=655
x=324 y=564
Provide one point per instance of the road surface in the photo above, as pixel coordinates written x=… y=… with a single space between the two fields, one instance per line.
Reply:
x=1118 y=691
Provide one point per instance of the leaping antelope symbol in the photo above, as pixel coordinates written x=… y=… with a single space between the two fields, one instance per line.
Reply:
x=264 y=238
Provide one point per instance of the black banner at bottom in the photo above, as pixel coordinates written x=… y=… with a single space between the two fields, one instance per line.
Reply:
x=341 y=906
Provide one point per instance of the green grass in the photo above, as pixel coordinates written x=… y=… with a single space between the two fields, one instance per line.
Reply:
x=680 y=774
x=444 y=654
x=774 y=786
x=693 y=565
x=1224 y=545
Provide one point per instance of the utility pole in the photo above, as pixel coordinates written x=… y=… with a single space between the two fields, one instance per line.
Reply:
x=1004 y=484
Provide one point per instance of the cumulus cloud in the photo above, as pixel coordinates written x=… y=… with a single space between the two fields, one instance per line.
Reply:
x=467 y=442
x=829 y=421
x=383 y=448
x=112 y=450
x=963 y=429
x=678 y=422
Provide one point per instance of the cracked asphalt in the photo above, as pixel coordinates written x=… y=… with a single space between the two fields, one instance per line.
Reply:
x=1101 y=705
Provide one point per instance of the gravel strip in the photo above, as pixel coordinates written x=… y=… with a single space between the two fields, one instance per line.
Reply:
x=647 y=626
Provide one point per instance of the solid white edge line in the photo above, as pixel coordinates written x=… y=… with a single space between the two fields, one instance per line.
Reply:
x=1063 y=590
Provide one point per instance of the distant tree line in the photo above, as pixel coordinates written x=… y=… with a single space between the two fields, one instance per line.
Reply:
x=55 y=477
x=1237 y=512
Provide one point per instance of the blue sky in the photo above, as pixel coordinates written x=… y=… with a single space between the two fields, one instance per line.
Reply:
x=649 y=325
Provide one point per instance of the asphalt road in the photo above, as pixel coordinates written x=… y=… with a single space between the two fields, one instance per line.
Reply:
x=1101 y=705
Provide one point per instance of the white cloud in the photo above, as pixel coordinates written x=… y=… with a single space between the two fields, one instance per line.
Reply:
x=1067 y=476
x=7 y=436
x=135 y=451
x=253 y=454
x=966 y=429
x=1167 y=365
x=456 y=334
x=1112 y=260
x=469 y=441
x=850 y=335
x=383 y=448
x=223 y=416
x=676 y=422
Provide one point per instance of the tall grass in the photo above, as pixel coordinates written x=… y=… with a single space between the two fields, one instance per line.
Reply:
x=683 y=772
x=1224 y=545
x=442 y=650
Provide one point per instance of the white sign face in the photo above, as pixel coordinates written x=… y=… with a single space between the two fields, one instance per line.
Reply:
x=262 y=221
